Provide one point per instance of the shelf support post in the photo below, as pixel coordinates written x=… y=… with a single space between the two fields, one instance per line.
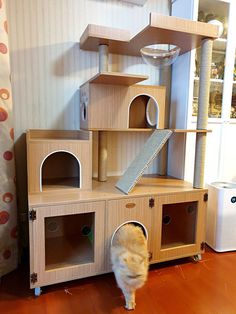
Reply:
x=203 y=103
x=102 y=156
x=103 y=58
x=102 y=135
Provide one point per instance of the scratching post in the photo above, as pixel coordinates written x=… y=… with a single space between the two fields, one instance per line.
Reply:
x=102 y=156
x=102 y=136
x=203 y=102
x=103 y=58
x=165 y=77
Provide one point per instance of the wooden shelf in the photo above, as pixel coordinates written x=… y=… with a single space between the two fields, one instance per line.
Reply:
x=117 y=78
x=190 y=131
x=150 y=130
x=164 y=29
x=148 y=184
x=54 y=135
x=123 y=130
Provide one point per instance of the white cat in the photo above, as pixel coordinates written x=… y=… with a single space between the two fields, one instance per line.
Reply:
x=129 y=257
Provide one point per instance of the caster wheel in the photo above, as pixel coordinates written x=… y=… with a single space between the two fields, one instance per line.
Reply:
x=197 y=257
x=37 y=291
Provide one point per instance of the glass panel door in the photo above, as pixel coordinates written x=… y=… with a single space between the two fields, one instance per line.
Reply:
x=233 y=103
x=213 y=12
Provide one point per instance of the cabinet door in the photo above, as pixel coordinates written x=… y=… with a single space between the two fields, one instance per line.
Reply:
x=180 y=225
x=66 y=242
x=138 y=209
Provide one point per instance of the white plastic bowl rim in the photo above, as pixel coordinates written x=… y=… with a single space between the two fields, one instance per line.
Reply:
x=160 y=50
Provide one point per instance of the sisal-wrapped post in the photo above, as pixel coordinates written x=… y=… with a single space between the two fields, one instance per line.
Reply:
x=102 y=135
x=102 y=156
x=103 y=58
x=203 y=102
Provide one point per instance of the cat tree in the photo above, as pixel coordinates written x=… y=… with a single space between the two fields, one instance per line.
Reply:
x=70 y=225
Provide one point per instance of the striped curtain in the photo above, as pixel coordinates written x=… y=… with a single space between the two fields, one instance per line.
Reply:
x=8 y=209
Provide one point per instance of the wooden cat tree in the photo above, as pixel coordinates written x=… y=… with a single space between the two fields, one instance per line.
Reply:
x=72 y=217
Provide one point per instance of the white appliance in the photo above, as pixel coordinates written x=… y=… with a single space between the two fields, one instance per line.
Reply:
x=221 y=216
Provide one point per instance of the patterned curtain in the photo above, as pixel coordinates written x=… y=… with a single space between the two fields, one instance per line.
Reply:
x=8 y=209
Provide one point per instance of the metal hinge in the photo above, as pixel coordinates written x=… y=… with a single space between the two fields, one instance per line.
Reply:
x=202 y=246
x=151 y=202
x=205 y=197
x=33 y=278
x=32 y=214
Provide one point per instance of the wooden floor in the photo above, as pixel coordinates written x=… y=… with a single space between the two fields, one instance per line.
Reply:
x=177 y=287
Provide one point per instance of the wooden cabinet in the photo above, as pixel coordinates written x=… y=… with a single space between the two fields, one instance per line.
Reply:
x=70 y=233
x=175 y=223
x=181 y=226
x=66 y=242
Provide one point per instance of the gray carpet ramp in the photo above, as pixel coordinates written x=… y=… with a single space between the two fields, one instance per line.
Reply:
x=148 y=152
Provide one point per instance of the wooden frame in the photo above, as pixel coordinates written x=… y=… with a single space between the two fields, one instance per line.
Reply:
x=66 y=271
x=75 y=147
x=114 y=94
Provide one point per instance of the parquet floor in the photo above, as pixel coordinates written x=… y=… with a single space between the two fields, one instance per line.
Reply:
x=176 y=287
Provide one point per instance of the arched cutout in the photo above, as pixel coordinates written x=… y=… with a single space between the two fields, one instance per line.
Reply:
x=143 y=112
x=136 y=223
x=60 y=169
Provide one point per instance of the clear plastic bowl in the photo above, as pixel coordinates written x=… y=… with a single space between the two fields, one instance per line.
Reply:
x=160 y=55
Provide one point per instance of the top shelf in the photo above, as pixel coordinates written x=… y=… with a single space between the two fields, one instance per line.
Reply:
x=162 y=29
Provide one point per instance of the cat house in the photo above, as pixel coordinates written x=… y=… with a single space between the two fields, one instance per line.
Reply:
x=108 y=106
x=59 y=159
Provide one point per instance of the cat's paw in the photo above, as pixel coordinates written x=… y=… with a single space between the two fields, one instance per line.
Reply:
x=130 y=306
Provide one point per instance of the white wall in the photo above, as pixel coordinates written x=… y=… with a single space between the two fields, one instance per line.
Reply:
x=47 y=64
x=48 y=67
